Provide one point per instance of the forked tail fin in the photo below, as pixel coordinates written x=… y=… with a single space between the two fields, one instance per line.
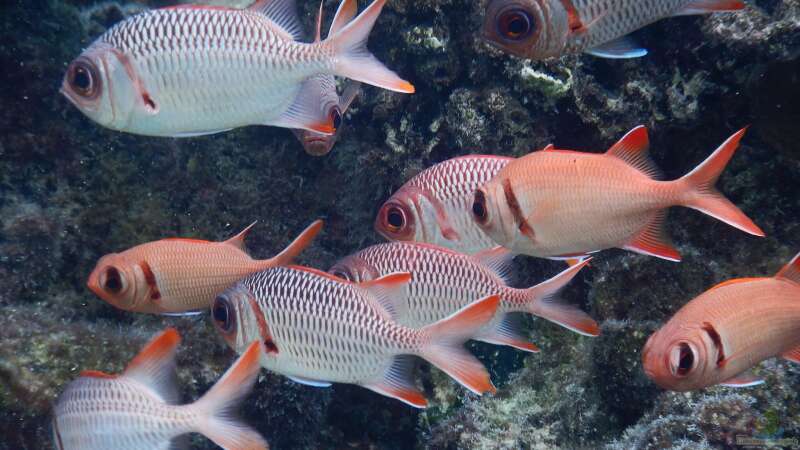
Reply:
x=445 y=347
x=217 y=406
x=354 y=60
x=704 y=197
x=544 y=301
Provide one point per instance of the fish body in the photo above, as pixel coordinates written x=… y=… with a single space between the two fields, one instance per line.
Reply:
x=718 y=336
x=193 y=70
x=174 y=276
x=318 y=329
x=444 y=281
x=138 y=409
x=566 y=204
x=434 y=206
x=539 y=29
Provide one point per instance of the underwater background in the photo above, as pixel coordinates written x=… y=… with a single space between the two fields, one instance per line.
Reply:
x=72 y=191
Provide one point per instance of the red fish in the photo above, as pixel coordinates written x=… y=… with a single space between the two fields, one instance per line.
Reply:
x=718 y=336
x=566 y=204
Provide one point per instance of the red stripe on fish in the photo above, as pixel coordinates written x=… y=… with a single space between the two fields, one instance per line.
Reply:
x=150 y=279
x=516 y=211
x=263 y=330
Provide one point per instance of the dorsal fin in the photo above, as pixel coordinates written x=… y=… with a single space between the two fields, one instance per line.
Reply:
x=238 y=240
x=633 y=149
x=154 y=366
x=549 y=147
x=498 y=260
x=344 y=14
x=283 y=13
x=791 y=271
x=318 y=31
x=303 y=240
x=390 y=292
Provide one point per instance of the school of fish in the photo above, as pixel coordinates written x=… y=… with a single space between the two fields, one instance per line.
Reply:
x=454 y=229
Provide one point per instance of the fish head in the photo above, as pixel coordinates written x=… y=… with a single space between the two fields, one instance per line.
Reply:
x=490 y=210
x=535 y=29
x=397 y=219
x=355 y=269
x=240 y=320
x=114 y=279
x=332 y=108
x=680 y=357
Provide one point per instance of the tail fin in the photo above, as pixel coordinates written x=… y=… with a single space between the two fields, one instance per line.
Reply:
x=303 y=240
x=545 y=302
x=445 y=348
x=218 y=404
x=354 y=61
x=704 y=197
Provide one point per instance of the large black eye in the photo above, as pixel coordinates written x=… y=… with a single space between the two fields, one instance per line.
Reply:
x=395 y=219
x=514 y=24
x=336 y=117
x=83 y=78
x=113 y=281
x=479 y=207
x=221 y=312
x=685 y=360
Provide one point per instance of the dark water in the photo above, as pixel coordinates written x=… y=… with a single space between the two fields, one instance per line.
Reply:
x=72 y=191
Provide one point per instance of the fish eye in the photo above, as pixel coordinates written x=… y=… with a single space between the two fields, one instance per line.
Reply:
x=221 y=312
x=395 y=219
x=83 y=78
x=336 y=117
x=682 y=360
x=113 y=281
x=514 y=24
x=479 y=207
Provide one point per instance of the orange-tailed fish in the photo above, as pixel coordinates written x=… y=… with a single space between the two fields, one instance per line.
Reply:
x=539 y=29
x=191 y=70
x=720 y=335
x=138 y=409
x=323 y=87
x=566 y=204
x=179 y=276
x=318 y=329
x=444 y=281
x=435 y=206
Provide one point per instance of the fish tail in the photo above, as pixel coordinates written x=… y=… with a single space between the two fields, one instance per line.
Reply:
x=354 y=61
x=218 y=405
x=303 y=240
x=704 y=197
x=545 y=302
x=445 y=348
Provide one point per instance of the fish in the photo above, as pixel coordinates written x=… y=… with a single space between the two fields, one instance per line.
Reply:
x=445 y=281
x=720 y=335
x=193 y=70
x=565 y=204
x=138 y=409
x=541 y=29
x=317 y=329
x=434 y=206
x=178 y=276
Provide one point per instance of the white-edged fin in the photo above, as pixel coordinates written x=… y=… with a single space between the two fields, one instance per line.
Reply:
x=398 y=382
x=653 y=241
x=184 y=314
x=216 y=408
x=744 y=379
x=283 y=13
x=544 y=300
x=634 y=148
x=353 y=59
x=445 y=348
x=508 y=331
x=709 y=6
x=309 y=382
x=620 y=48
x=344 y=14
x=238 y=240
x=791 y=271
x=154 y=366
x=306 y=111
x=391 y=292
x=349 y=94
x=499 y=260
x=189 y=134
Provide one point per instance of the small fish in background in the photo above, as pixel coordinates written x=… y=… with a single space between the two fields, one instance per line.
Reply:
x=444 y=281
x=192 y=70
x=138 y=409
x=318 y=329
x=181 y=276
x=563 y=204
x=539 y=29
x=435 y=206
x=721 y=334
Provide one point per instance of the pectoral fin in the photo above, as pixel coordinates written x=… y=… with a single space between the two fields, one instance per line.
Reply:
x=310 y=382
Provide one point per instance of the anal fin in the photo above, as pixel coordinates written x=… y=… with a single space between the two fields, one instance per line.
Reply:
x=305 y=111
x=792 y=355
x=652 y=241
x=709 y=6
x=744 y=379
x=309 y=382
x=508 y=331
x=620 y=48
x=398 y=382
